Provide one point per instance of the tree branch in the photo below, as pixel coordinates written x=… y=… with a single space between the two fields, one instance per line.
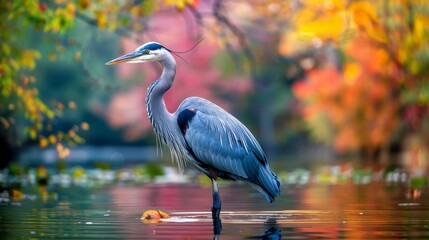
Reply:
x=221 y=18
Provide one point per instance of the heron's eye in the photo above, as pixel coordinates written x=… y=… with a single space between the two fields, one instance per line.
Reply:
x=146 y=51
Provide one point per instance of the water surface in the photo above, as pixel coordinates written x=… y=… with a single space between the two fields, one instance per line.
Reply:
x=313 y=211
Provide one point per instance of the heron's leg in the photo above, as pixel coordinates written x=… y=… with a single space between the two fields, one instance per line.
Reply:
x=217 y=224
x=216 y=200
x=217 y=228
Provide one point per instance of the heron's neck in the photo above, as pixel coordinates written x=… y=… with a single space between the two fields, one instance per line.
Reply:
x=157 y=111
x=163 y=122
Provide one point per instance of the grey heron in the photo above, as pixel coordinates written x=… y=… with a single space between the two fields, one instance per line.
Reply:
x=201 y=133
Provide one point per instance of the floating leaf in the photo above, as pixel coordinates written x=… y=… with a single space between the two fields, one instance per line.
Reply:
x=153 y=216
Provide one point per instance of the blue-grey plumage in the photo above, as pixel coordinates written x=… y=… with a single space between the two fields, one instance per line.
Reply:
x=221 y=146
x=202 y=133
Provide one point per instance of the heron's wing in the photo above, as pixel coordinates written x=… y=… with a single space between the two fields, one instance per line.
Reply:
x=217 y=138
x=219 y=142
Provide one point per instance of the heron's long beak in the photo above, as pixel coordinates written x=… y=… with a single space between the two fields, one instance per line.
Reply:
x=125 y=58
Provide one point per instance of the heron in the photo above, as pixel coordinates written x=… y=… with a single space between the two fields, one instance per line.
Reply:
x=202 y=133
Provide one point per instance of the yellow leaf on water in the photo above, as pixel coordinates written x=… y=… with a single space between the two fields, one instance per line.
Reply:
x=153 y=216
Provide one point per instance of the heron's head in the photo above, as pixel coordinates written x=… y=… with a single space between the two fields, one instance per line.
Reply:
x=151 y=51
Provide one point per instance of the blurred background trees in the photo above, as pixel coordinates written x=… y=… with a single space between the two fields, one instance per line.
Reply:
x=350 y=77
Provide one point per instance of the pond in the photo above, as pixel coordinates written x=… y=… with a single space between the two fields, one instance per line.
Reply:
x=311 y=211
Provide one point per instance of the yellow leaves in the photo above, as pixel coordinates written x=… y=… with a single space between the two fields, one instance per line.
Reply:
x=17 y=90
x=32 y=133
x=316 y=22
x=138 y=11
x=62 y=17
x=43 y=142
x=6 y=49
x=325 y=5
x=419 y=29
x=365 y=17
x=28 y=58
x=181 y=4
x=70 y=11
x=351 y=72
x=52 y=139
x=101 y=17
x=84 y=4
x=321 y=20
x=78 y=173
x=326 y=27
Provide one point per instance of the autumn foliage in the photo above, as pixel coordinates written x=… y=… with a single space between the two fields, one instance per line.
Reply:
x=357 y=103
x=362 y=101
x=363 y=65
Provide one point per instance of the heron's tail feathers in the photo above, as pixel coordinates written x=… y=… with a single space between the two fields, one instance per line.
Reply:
x=267 y=183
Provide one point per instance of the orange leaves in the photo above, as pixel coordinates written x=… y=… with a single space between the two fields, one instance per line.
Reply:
x=153 y=216
x=354 y=106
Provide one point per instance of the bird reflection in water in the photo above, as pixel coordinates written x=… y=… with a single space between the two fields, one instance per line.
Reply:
x=271 y=232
